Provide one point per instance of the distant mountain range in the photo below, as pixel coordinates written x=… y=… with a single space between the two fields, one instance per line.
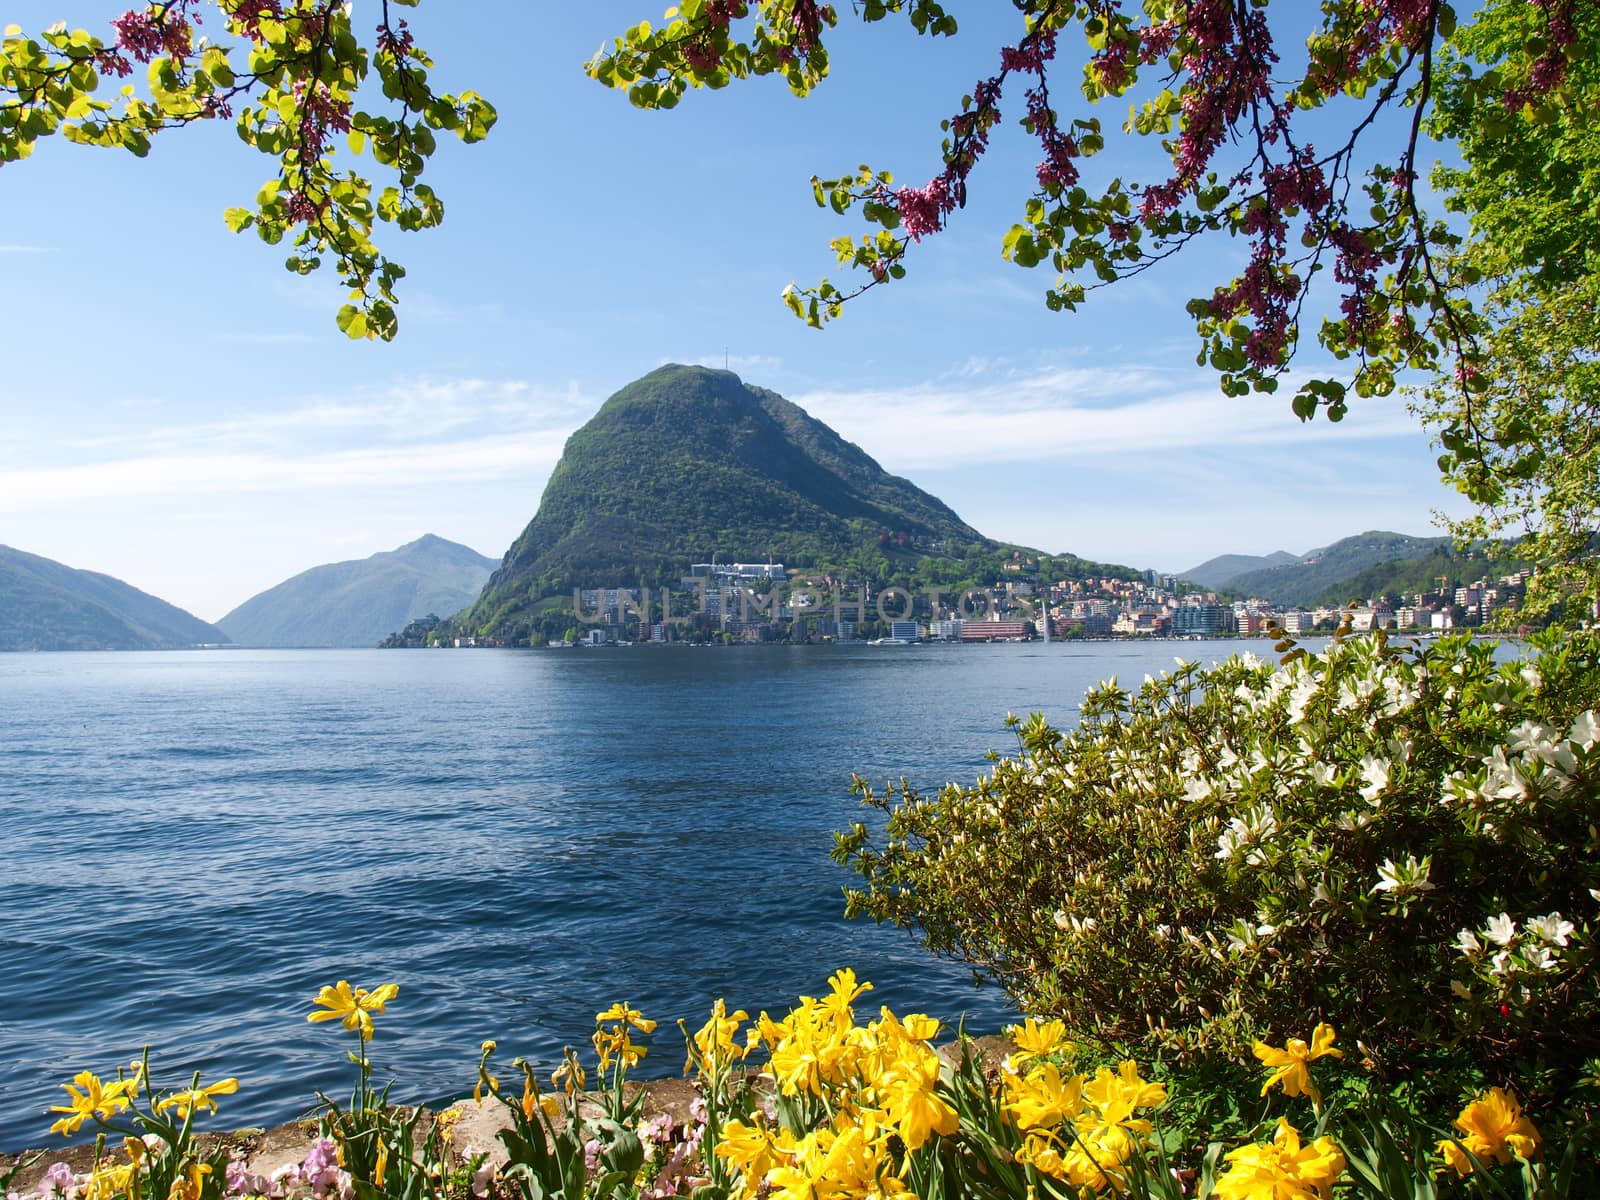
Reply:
x=1322 y=575
x=1215 y=572
x=357 y=603
x=47 y=606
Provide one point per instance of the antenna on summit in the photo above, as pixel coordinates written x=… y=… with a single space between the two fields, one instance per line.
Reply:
x=724 y=358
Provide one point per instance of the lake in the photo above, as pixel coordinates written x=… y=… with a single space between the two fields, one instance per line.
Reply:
x=196 y=842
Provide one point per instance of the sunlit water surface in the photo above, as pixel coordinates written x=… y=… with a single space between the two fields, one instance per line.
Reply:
x=195 y=843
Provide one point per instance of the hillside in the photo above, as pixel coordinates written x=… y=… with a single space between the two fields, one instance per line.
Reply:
x=358 y=603
x=45 y=605
x=1406 y=577
x=1216 y=572
x=687 y=463
x=1306 y=581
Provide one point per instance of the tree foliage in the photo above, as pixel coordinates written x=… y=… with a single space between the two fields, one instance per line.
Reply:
x=1519 y=425
x=1400 y=843
x=290 y=74
x=1233 y=113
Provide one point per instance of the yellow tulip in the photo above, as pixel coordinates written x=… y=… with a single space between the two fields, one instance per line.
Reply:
x=1494 y=1128
x=353 y=1007
x=1290 y=1065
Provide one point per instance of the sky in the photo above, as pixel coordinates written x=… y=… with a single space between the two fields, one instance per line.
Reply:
x=180 y=412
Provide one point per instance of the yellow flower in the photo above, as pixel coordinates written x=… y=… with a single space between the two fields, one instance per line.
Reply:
x=95 y=1099
x=750 y=1149
x=1037 y=1040
x=910 y=1098
x=187 y=1185
x=713 y=1044
x=627 y=1016
x=1042 y=1100
x=1116 y=1096
x=110 y=1182
x=188 y=1101
x=1283 y=1169
x=569 y=1077
x=1290 y=1064
x=1493 y=1127
x=354 y=1008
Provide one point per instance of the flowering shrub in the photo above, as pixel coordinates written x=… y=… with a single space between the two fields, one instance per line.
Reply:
x=836 y=1111
x=1405 y=843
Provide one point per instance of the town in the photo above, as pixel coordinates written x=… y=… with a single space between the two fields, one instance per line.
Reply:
x=767 y=602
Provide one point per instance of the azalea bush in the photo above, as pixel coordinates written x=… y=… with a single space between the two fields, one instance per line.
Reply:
x=817 y=1105
x=1402 y=841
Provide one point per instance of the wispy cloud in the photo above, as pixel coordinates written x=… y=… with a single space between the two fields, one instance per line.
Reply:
x=16 y=248
x=987 y=413
x=744 y=364
x=410 y=433
x=342 y=471
x=395 y=413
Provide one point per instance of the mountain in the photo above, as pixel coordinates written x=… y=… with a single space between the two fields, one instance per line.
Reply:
x=1324 y=571
x=1215 y=572
x=689 y=462
x=47 y=606
x=357 y=603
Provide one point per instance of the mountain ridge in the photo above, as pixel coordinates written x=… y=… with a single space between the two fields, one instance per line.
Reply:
x=47 y=605
x=357 y=602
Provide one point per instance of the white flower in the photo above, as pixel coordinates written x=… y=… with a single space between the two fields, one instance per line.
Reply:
x=1409 y=876
x=1551 y=929
x=1301 y=696
x=1540 y=958
x=1585 y=730
x=1061 y=919
x=1376 y=773
x=1500 y=963
x=1530 y=675
x=1500 y=930
x=1198 y=788
x=1467 y=942
x=1322 y=774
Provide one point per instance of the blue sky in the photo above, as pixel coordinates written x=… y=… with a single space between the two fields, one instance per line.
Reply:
x=180 y=412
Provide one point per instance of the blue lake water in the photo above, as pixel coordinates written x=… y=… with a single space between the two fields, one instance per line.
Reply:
x=195 y=843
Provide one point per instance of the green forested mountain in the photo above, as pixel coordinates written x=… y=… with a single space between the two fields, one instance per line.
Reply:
x=47 y=606
x=1406 y=577
x=358 y=603
x=1328 y=569
x=689 y=462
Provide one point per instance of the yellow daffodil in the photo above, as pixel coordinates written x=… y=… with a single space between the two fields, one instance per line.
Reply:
x=187 y=1185
x=197 y=1098
x=627 y=1016
x=569 y=1077
x=1282 y=1169
x=109 y=1182
x=713 y=1045
x=749 y=1148
x=1289 y=1065
x=354 y=1008
x=1493 y=1127
x=1042 y=1099
x=1035 y=1039
x=91 y=1098
x=912 y=1103
x=1122 y=1092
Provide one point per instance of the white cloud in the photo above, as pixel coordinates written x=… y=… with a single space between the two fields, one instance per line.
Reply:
x=406 y=434
x=988 y=414
x=467 y=460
